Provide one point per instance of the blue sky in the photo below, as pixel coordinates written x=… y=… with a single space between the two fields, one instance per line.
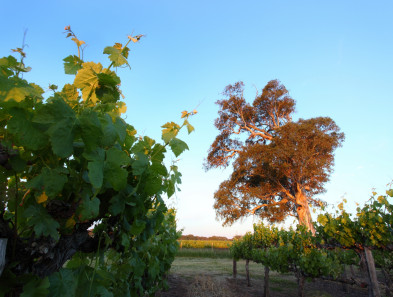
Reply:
x=334 y=57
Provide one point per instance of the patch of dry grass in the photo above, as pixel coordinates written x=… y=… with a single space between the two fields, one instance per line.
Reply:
x=207 y=286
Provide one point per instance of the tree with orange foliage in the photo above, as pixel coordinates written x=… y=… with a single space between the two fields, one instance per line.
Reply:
x=278 y=165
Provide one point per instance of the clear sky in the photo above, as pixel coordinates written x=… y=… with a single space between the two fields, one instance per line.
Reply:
x=334 y=57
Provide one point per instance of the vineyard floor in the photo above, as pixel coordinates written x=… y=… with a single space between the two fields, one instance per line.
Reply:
x=206 y=277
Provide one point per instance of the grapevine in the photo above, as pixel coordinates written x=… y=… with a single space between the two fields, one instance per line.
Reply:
x=70 y=163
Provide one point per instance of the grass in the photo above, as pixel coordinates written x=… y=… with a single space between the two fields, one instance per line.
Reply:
x=209 y=276
x=204 y=253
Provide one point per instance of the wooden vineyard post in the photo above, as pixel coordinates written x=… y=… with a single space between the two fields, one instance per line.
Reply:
x=345 y=275
x=3 y=248
x=372 y=274
x=266 y=291
x=248 y=273
x=234 y=268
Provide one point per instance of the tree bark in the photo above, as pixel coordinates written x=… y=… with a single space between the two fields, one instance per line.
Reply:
x=248 y=273
x=300 y=281
x=266 y=291
x=303 y=210
x=234 y=268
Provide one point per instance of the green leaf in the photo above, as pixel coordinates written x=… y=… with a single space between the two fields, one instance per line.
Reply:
x=72 y=64
x=116 y=176
x=16 y=89
x=25 y=131
x=87 y=80
x=53 y=181
x=115 y=56
x=37 y=287
x=17 y=163
x=89 y=208
x=125 y=240
x=137 y=227
x=153 y=184
x=117 y=205
x=62 y=283
x=41 y=221
x=170 y=131
x=62 y=138
x=91 y=130
x=108 y=91
x=140 y=164
x=103 y=292
x=96 y=173
x=170 y=188
x=190 y=128
x=120 y=127
x=117 y=157
x=159 y=168
x=110 y=134
x=54 y=111
x=390 y=192
x=178 y=146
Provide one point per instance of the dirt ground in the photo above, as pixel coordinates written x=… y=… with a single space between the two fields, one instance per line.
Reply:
x=212 y=278
x=179 y=286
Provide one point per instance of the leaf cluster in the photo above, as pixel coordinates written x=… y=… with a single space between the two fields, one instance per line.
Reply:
x=69 y=163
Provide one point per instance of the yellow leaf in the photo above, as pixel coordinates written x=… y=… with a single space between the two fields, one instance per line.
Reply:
x=122 y=107
x=77 y=41
x=118 y=46
x=42 y=198
x=184 y=114
x=194 y=111
x=70 y=222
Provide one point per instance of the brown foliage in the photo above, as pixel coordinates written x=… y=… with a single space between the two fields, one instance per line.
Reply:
x=279 y=165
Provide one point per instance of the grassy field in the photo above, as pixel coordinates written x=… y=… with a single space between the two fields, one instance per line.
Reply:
x=206 y=272
x=204 y=253
x=200 y=244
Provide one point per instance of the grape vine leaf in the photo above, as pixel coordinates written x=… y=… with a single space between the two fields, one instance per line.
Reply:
x=96 y=173
x=140 y=164
x=170 y=131
x=117 y=204
x=62 y=138
x=36 y=287
x=62 y=283
x=72 y=64
x=115 y=56
x=27 y=134
x=89 y=208
x=178 y=146
x=41 y=221
x=87 y=80
x=91 y=129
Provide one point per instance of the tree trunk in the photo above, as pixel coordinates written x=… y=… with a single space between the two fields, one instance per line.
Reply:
x=234 y=268
x=303 y=211
x=300 y=281
x=266 y=291
x=248 y=273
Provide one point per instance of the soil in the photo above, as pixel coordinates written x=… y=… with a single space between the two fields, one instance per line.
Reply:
x=179 y=287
